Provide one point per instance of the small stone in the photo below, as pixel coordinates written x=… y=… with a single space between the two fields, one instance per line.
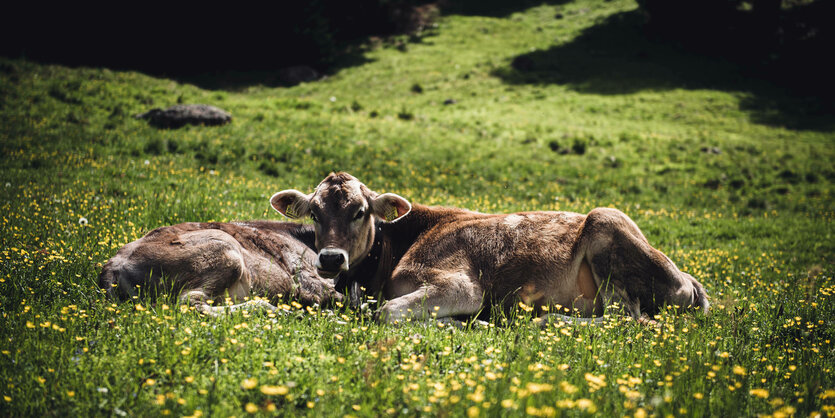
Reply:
x=180 y=115
x=450 y=102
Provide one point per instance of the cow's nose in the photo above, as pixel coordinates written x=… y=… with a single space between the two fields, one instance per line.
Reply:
x=332 y=259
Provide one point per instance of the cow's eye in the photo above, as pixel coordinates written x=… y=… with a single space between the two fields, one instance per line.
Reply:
x=359 y=215
x=314 y=218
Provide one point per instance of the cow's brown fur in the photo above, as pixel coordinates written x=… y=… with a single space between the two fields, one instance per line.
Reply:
x=200 y=262
x=445 y=262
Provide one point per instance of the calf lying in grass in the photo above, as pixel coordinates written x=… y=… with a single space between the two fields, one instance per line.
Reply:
x=441 y=262
x=201 y=262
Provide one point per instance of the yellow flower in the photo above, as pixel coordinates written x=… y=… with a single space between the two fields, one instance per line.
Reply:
x=698 y=395
x=760 y=393
x=473 y=411
x=274 y=390
x=586 y=404
x=189 y=379
x=567 y=387
x=70 y=393
x=538 y=387
x=595 y=382
x=251 y=408
x=739 y=370
x=249 y=383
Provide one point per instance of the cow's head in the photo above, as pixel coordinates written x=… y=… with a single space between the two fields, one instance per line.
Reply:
x=343 y=211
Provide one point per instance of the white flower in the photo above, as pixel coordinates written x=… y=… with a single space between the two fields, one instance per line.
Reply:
x=82 y=221
x=147 y=162
x=333 y=98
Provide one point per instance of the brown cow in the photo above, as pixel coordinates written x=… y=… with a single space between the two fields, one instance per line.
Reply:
x=442 y=262
x=200 y=262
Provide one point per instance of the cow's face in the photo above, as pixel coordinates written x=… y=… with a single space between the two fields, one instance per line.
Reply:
x=343 y=211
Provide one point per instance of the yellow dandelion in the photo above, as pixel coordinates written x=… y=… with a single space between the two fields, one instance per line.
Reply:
x=586 y=404
x=565 y=404
x=698 y=395
x=189 y=379
x=249 y=383
x=760 y=393
x=251 y=408
x=567 y=387
x=70 y=393
x=538 y=387
x=274 y=390
x=473 y=411
x=595 y=382
x=739 y=370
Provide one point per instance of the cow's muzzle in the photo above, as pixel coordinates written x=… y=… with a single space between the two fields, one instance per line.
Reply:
x=331 y=261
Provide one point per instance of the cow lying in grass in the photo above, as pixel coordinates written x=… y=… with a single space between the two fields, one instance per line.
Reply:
x=442 y=262
x=201 y=262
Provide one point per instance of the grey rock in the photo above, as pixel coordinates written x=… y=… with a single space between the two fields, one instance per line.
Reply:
x=180 y=115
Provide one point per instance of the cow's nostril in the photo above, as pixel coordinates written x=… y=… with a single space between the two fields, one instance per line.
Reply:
x=332 y=261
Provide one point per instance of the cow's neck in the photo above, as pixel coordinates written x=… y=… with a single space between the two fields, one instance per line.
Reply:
x=391 y=242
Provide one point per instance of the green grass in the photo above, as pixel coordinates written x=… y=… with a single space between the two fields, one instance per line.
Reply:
x=754 y=223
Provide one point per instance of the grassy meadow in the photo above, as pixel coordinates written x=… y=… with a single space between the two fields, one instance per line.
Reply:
x=729 y=175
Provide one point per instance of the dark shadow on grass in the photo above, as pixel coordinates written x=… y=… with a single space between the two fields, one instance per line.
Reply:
x=492 y=8
x=617 y=57
x=238 y=80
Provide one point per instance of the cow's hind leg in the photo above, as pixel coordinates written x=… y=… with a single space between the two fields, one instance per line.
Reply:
x=447 y=294
x=632 y=273
x=216 y=269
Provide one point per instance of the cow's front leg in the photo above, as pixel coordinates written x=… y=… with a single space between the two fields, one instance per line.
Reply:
x=200 y=301
x=448 y=295
x=551 y=318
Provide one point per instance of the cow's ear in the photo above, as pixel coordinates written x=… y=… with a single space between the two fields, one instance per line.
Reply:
x=291 y=203
x=390 y=207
